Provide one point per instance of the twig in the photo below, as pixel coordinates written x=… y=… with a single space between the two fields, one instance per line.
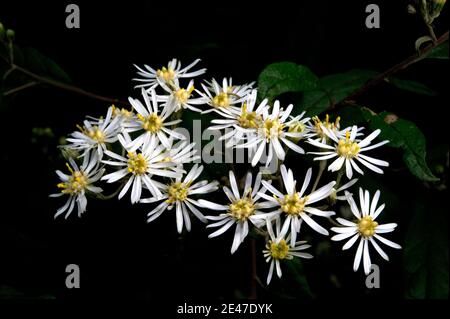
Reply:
x=254 y=277
x=67 y=87
x=20 y=88
x=322 y=166
x=399 y=66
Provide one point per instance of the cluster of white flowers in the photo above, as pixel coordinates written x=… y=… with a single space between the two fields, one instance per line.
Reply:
x=141 y=150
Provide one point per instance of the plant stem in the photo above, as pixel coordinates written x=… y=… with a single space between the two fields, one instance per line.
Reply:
x=254 y=277
x=322 y=166
x=67 y=87
x=399 y=66
x=20 y=88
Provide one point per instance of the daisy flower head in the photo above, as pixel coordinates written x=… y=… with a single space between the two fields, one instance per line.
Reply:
x=122 y=114
x=364 y=228
x=295 y=205
x=79 y=182
x=181 y=153
x=226 y=96
x=95 y=135
x=139 y=167
x=272 y=131
x=277 y=249
x=153 y=120
x=240 y=125
x=178 y=194
x=181 y=98
x=335 y=196
x=240 y=210
x=348 y=151
x=317 y=125
x=168 y=75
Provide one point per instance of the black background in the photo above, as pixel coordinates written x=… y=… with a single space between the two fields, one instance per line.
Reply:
x=119 y=254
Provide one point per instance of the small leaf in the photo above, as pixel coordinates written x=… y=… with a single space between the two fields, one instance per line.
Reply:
x=439 y=52
x=407 y=136
x=412 y=86
x=426 y=251
x=296 y=273
x=42 y=65
x=333 y=89
x=283 y=77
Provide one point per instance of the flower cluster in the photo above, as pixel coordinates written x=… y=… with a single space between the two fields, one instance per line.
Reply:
x=142 y=152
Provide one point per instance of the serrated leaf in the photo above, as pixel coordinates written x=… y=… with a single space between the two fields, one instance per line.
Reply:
x=333 y=89
x=439 y=52
x=412 y=86
x=426 y=252
x=283 y=77
x=406 y=135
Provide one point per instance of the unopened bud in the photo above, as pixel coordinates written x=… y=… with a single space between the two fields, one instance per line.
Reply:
x=10 y=34
x=411 y=9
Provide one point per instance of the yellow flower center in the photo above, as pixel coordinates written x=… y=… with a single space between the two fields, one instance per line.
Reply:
x=94 y=133
x=242 y=209
x=292 y=204
x=367 y=226
x=177 y=191
x=248 y=119
x=183 y=95
x=346 y=147
x=167 y=74
x=151 y=123
x=221 y=100
x=121 y=112
x=329 y=125
x=272 y=128
x=76 y=183
x=280 y=250
x=137 y=164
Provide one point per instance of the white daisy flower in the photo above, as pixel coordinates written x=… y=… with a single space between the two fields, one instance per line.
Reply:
x=272 y=131
x=140 y=167
x=95 y=135
x=181 y=98
x=177 y=194
x=181 y=153
x=239 y=124
x=317 y=129
x=240 y=210
x=78 y=183
x=334 y=196
x=365 y=228
x=277 y=249
x=123 y=114
x=226 y=96
x=153 y=121
x=347 y=150
x=295 y=205
x=169 y=75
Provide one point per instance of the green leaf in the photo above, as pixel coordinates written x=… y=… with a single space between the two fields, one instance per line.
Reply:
x=333 y=89
x=406 y=135
x=412 y=86
x=439 y=52
x=42 y=65
x=426 y=251
x=283 y=77
x=296 y=272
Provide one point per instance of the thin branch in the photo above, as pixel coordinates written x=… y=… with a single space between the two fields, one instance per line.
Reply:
x=20 y=88
x=398 y=67
x=68 y=87
x=254 y=277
